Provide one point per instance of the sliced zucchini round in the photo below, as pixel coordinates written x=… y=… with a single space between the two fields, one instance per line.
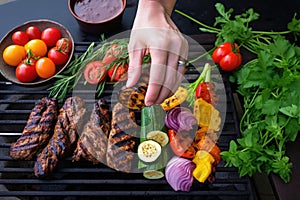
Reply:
x=153 y=174
x=158 y=136
x=149 y=151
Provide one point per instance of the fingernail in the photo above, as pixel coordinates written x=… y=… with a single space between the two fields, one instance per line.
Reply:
x=149 y=103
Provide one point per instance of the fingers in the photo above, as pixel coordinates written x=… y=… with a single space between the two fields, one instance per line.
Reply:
x=135 y=67
x=158 y=71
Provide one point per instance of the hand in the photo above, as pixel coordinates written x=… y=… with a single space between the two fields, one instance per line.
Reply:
x=155 y=33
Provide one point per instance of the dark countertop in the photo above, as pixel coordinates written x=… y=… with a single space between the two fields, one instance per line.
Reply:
x=274 y=15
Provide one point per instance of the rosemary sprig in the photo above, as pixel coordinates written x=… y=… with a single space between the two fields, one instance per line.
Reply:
x=67 y=80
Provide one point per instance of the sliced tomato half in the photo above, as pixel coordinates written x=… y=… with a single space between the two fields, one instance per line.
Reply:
x=95 y=72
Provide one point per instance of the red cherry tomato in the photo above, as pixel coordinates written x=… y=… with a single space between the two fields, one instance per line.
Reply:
x=118 y=72
x=228 y=56
x=95 y=72
x=33 y=32
x=20 y=38
x=231 y=61
x=25 y=72
x=50 y=36
x=57 y=56
x=64 y=45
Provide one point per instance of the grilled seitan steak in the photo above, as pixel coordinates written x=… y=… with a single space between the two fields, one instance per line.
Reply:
x=122 y=139
x=69 y=122
x=37 y=131
x=92 y=143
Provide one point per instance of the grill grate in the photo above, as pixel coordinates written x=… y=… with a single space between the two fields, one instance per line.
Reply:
x=82 y=179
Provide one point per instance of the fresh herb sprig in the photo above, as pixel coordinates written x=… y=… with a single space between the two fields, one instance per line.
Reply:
x=68 y=79
x=237 y=28
x=270 y=88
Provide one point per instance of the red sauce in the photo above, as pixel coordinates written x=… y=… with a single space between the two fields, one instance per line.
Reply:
x=97 y=10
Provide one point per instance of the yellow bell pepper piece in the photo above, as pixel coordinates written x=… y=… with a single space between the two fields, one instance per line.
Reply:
x=176 y=99
x=207 y=115
x=203 y=161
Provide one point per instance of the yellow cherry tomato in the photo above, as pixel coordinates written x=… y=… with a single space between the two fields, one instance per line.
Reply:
x=45 y=67
x=38 y=47
x=14 y=54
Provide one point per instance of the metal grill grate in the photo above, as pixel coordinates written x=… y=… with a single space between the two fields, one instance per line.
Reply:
x=82 y=179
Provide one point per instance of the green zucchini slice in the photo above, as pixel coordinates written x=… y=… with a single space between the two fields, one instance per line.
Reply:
x=153 y=174
x=158 y=136
x=149 y=151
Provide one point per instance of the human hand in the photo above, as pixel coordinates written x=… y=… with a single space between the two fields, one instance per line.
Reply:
x=155 y=33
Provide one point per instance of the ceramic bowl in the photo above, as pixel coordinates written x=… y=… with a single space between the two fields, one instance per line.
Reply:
x=9 y=71
x=97 y=26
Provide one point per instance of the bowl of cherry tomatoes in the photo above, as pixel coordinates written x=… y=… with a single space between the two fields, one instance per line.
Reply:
x=36 y=51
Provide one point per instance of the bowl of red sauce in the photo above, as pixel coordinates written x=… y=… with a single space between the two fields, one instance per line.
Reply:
x=97 y=16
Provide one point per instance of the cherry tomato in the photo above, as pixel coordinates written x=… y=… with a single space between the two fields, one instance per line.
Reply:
x=50 y=36
x=64 y=45
x=25 y=72
x=95 y=72
x=57 y=56
x=232 y=61
x=45 y=67
x=33 y=32
x=20 y=38
x=118 y=72
x=111 y=54
x=38 y=47
x=14 y=54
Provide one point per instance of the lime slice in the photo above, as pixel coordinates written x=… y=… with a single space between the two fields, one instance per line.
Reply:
x=153 y=174
x=158 y=136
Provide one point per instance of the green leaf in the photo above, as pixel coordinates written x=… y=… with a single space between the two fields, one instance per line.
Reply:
x=270 y=107
x=294 y=25
x=291 y=111
x=292 y=129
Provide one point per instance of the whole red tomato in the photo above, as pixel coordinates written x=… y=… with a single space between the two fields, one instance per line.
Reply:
x=95 y=72
x=57 y=56
x=228 y=56
x=20 y=38
x=33 y=32
x=50 y=36
x=64 y=45
x=25 y=72
x=118 y=72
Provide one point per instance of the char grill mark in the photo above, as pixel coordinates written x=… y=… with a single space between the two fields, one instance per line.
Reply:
x=37 y=131
x=122 y=140
x=69 y=122
x=92 y=144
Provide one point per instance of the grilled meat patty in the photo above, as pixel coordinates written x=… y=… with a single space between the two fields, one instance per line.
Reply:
x=92 y=143
x=122 y=139
x=37 y=131
x=69 y=123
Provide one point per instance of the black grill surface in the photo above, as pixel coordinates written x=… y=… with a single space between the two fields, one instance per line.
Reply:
x=83 y=180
